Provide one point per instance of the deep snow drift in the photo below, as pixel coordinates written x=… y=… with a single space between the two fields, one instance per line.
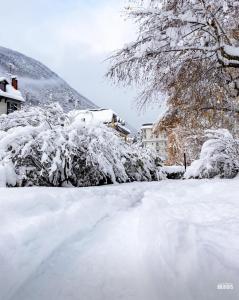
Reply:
x=139 y=241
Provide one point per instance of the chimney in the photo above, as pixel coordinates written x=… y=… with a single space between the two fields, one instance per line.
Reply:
x=15 y=82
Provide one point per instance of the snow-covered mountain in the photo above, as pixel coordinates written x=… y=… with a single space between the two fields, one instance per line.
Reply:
x=38 y=84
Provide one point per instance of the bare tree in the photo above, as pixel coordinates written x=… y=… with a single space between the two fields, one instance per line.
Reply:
x=173 y=33
x=188 y=49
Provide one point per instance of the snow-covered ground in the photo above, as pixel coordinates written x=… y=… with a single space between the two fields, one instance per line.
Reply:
x=138 y=241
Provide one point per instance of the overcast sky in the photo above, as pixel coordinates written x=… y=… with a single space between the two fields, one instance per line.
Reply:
x=73 y=38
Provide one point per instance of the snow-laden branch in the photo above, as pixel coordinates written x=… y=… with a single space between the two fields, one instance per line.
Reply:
x=171 y=33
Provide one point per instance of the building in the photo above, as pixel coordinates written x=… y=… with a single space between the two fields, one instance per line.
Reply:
x=104 y=116
x=10 y=97
x=158 y=142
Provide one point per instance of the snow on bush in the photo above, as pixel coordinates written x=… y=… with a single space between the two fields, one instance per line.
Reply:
x=219 y=156
x=173 y=172
x=43 y=147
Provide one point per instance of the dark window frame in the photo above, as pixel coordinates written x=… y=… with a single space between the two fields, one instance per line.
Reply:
x=11 y=107
x=3 y=86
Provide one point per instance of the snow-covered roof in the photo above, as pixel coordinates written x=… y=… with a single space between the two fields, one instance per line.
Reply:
x=92 y=116
x=103 y=115
x=3 y=79
x=147 y=125
x=123 y=129
x=12 y=94
x=98 y=116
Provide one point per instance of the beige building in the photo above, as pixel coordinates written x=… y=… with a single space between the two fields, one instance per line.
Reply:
x=156 y=142
x=10 y=98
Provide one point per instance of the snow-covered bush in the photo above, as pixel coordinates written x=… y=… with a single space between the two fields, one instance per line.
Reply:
x=34 y=116
x=42 y=146
x=219 y=157
x=173 y=172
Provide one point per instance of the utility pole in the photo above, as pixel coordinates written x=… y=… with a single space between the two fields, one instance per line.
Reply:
x=185 y=161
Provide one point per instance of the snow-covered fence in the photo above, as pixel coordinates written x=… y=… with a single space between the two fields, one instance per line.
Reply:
x=43 y=147
x=219 y=157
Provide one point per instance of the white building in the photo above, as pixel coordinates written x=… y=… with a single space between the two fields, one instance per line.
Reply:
x=157 y=142
x=10 y=98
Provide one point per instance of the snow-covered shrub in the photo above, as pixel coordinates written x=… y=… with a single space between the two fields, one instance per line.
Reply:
x=34 y=116
x=173 y=172
x=41 y=146
x=219 y=157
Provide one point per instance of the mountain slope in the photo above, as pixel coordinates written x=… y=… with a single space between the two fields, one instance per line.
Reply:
x=38 y=84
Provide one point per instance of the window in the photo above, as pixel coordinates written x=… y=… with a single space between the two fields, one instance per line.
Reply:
x=144 y=134
x=3 y=86
x=11 y=107
x=114 y=119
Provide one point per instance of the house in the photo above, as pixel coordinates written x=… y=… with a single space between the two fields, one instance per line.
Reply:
x=10 y=97
x=104 y=116
x=158 y=142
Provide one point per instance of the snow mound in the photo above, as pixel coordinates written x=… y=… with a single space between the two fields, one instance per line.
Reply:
x=173 y=172
x=219 y=157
